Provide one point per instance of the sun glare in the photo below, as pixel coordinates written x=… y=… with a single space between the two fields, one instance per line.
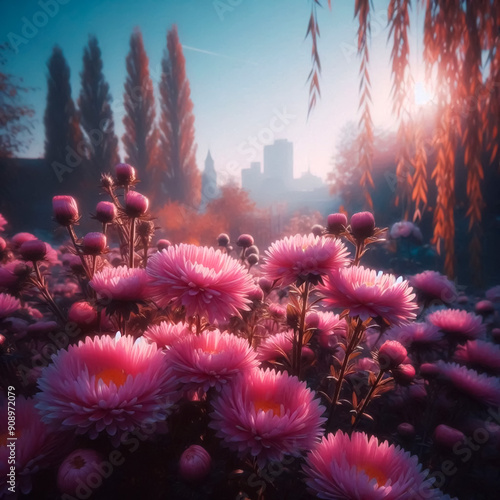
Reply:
x=421 y=94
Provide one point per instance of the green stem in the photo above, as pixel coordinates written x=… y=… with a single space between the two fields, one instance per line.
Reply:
x=367 y=399
x=354 y=341
x=42 y=286
x=302 y=326
x=82 y=258
x=131 y=243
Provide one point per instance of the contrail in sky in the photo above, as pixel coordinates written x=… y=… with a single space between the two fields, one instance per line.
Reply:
x=194 y=49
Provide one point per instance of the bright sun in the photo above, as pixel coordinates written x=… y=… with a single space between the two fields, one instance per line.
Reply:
x=421 y=94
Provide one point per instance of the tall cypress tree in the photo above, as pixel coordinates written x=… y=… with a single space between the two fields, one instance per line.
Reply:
x=182 y=177
x=96 y=116
x=63 y=137
x=140 y=139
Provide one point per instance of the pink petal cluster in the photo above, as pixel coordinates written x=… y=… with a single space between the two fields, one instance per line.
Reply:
x=165 y=334
x=432 y=285
x=210 y=359
x=417 y=334
x=329 y=327
x=458 y=323
x=405 y=229
x=76 y=468
x=205 y=281
x=343 y=467
x=368 y=294
x=301 y=257
x=276 y=346
x=477 y=386
x=3 y=222
x=36 y=447
x=267 y=415
x=121 y=284
x=479 y=354
x=106 y=384
x=8 y=305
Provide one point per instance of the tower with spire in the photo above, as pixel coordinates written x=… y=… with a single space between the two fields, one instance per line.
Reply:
x=209 y=189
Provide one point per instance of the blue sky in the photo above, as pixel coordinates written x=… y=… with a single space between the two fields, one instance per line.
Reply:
x=247 y=62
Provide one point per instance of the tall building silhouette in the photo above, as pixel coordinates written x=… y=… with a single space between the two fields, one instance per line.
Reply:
x=278 y=164
x=209 y=189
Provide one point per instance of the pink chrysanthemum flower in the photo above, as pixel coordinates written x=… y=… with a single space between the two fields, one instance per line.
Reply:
x=298 y=258
x=35 y=448
x=479 y=354
x=458 y=323
x=344 y=467
x=329 y=327
x=432 y=285
x=267 y=415
x=477 y=386
x=121 y=284
x=205 y=281
x=106 y=384
x=416 y=334
x=367 y=293
x=8 y=305
x=166 y=334
x=210 y=359
x=276 y=346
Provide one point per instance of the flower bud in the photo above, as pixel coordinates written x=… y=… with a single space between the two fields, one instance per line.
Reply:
x=223 y=240
x=105 y=212
x=125 y=174
x=256 y=294
x=19 y=238
x=245 y=240
x=362 y=225
x=485 y=307
x=253 y=259
x=93 y=243
x=3 y=245
x=83 y=314
x=406 y=430
x=447 y=437
x=107 y=181
x=266 y=285
x=195 y=463
x=76 y=469
x=136 y=204
x=404 y=374
x=391 y=355
x=429 y=370
x=163 y=244
x=317 y=230
x=65 y=210
x=33 y=250
x=251 y=250
x=336 y=223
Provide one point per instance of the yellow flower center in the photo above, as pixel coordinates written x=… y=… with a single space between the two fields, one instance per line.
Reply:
x=374 y=472
x=266 y=405
x=112 y=375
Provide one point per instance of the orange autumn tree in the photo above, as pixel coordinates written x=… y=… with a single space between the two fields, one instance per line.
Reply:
x=462 y=47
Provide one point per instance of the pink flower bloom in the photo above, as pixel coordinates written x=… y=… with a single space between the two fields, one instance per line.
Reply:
x=76 y=468
x=205 y=281
x=65 y=210
x=106 y=384
x=477 y=386
x=121 y=284
x=458 y=323
x=19 y=238
x=210 y=359
x=297 y=258
x=368 y=294
x=391 y=354
x=329 y=327
x=402 y=229
x=36 y=447
x=344 y=467
x=493 y=294
x=8 y=305
x=267 y=415
x=431 y=285
x=276 y=346
x=416 y=334
x=479 y=354
x=165 y=334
